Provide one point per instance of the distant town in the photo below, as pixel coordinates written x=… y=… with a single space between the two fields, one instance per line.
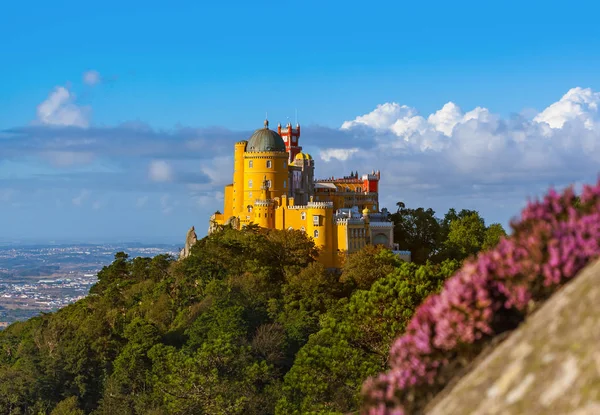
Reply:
x=44 y=278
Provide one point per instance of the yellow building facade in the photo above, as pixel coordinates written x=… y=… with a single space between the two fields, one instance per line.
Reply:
x=274 y=187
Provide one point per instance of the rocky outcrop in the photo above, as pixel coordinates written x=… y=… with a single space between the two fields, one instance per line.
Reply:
x=549 y=365
x=190 y=240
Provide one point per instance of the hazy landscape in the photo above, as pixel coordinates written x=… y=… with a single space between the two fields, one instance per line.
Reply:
x=43 y=278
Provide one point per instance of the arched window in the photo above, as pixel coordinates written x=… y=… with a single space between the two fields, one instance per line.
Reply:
x=250 y=184
x=249 y=208
x=303 y=215
x=268 y=184
x=269 y=164
x=290 y=229
x=250 y=164
x=250 y=195
x=316 y=234
x=302 y=229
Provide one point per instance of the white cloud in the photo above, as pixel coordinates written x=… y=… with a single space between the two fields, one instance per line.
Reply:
x=470 y=158
x=60 y=109
x=577 y=104
x=160 y=171
x=82 y=197
x=446 y=118
x=337 y=153
x=382 y=117
x=91 y=77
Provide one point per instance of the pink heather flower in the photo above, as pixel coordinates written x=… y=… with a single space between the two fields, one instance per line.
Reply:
x=553 y=241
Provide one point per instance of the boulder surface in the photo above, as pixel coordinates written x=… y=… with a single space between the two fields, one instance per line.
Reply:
x=548 y=365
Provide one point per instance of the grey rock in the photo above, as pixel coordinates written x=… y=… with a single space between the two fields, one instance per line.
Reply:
x=190 y=239
x=549 y=365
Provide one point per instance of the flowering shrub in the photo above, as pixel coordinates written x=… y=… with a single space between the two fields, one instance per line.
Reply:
x=555 y=238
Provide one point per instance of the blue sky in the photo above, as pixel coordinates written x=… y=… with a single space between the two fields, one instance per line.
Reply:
x=117 y=119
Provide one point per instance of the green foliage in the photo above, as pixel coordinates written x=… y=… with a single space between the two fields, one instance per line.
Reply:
x=458 y=235
x=249 y=323
x=493 y=234
x=68 y=406
x=354 y=340
x=416 y=230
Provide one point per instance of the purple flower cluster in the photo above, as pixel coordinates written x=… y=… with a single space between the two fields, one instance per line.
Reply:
x=555 y=238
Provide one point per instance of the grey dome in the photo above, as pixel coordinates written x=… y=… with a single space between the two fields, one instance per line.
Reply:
x=265 y=140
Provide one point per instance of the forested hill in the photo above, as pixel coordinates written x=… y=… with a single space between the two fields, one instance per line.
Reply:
x=250 y=323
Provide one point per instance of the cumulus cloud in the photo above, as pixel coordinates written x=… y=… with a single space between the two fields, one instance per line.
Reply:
x=160 y=171
x=91 y=78
x=60 y=109
x=471 y=140
x=577 y=104
x=468 y=158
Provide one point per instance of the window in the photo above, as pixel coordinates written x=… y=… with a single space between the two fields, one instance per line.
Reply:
x=302 y=229
x=284 y=184
x=316 y=234
x=284 y=164
x=250 y=164
x=316 y=220
x=249 y=208
x=290 y=229
x=268 y=184
x=303 y=216
x=269 y=164
x=250 y=195
x=250 y=184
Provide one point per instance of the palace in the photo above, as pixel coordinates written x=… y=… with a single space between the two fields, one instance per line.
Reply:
x=274 y=187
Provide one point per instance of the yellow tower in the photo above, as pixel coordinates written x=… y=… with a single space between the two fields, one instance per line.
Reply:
x=320 y=228
x=264 y=212
x=238 y=179
x=265 y=159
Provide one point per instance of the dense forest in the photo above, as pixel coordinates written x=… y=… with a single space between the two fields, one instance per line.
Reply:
x=249 y=323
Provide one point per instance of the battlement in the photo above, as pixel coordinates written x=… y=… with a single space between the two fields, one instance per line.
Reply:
x=342 y=180
x=348 y=221
x=381 y=224
x=326 y=205
x=262 y=202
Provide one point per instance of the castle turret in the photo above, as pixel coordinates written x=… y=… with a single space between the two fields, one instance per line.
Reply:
x=238 y=178
x=291 y=138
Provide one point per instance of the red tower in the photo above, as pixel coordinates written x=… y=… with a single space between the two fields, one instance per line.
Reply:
x=291 y=138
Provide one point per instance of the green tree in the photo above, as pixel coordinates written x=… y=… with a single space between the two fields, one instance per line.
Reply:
x=418 y=231
x=354 y=340
x=493 y=234
x=68 y=406
x=466 y=235
x=364 y=267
